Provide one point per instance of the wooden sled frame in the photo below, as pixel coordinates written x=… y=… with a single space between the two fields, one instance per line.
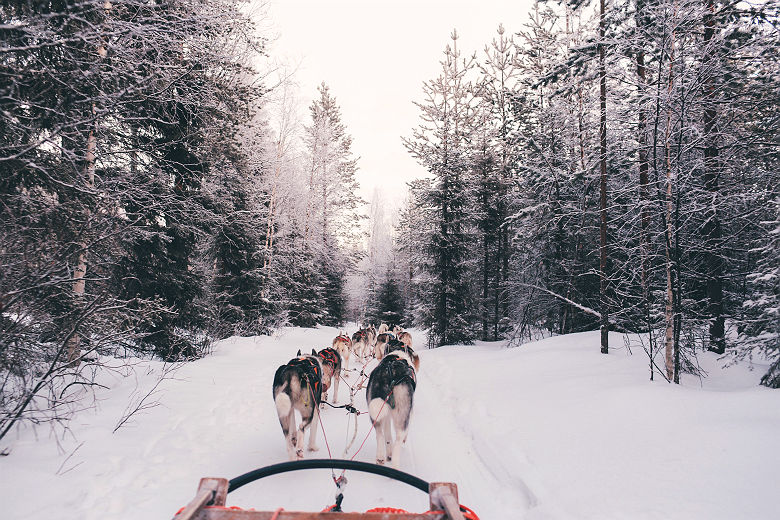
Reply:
x=210 y=499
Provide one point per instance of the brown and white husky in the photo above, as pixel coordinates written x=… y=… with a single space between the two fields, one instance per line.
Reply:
x=331 y=372
x=343 y=344
x=371 y=331
x=361 y=343
x=405 y=338
x=381 y=342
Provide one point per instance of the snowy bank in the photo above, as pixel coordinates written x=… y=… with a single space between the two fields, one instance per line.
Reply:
x=552 y=429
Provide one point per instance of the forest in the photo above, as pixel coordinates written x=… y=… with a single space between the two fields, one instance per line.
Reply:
x=612 y=169
x=601 y=167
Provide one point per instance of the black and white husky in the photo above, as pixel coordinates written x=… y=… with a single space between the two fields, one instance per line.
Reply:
x=395 y=346
x=298 y=386
x=390 y=396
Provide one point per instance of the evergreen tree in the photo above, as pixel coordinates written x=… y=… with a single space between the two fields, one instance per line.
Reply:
x=332 y=219
x=390 y=306
x=760 y=327
x=112 y=115
x=440 y=144
x=236 y=246
x=184 y=137
x=554 y=208
x=495 y=160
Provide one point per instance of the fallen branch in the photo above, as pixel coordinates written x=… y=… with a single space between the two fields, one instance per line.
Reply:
x=584 y=309
x=143 y=403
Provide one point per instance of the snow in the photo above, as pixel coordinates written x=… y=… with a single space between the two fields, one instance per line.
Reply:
x=549 y=430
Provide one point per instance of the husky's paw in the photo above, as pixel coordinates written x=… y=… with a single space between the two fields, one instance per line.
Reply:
x=314 y=448
x=299 y=454
x=381 y=462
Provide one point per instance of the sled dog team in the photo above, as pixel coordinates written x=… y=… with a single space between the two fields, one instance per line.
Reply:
x=303 y=384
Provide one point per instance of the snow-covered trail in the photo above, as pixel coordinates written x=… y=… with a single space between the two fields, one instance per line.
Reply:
x=443 y=445
x=552 y=430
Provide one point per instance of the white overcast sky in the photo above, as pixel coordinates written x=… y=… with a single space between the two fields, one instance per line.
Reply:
x=375 y=55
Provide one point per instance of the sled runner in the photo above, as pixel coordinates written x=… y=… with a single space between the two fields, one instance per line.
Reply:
x=209 y=501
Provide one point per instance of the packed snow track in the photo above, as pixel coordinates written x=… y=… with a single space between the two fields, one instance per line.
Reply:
x=552 y=429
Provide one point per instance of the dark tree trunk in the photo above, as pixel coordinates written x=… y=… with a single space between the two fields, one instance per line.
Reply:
x=485 y=283
x=712 y=228
x=603 y=306
x=644 y=185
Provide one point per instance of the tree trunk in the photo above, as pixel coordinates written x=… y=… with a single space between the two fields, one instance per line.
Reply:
x=670 y=354
x=712 y=228
x=644 y=186
x=73 y=346
x=603 y=306
x=485 y=281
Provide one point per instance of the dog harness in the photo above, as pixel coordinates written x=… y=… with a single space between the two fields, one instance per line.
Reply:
x=329 y=356
x=312 y=373
x=408 y=373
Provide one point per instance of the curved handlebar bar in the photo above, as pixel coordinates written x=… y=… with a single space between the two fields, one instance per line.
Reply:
x=365 y=467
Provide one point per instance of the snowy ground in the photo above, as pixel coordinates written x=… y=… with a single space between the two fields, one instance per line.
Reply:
x=551 y=430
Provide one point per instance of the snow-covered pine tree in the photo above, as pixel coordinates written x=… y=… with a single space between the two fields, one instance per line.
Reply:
x=184 y=129
x=110 y=118
x=748 y=127
x=554 y=209
x=236 y=248
x=332 y=225
x=379 y=256
x=282 y=184
x=759 y=333
x=390 y=306
x=412 y=231
x=441 y=145
x=496 y=160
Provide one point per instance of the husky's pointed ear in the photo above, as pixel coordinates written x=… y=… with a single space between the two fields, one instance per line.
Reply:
x=299 y=352
x=313 y=352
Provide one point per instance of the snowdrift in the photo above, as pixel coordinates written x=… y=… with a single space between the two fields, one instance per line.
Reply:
x=551 y=429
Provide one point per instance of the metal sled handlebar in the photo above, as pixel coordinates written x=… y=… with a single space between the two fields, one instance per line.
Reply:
x=365 y=467
x=213 y=492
